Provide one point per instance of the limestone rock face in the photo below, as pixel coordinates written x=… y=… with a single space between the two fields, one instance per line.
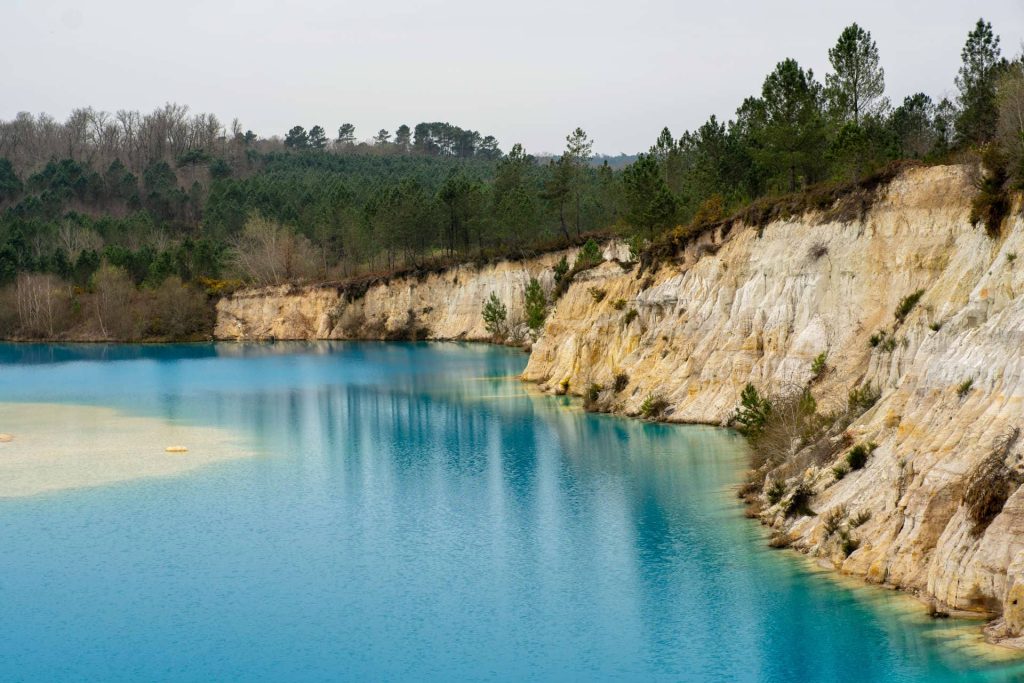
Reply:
x=442 y=305
x=744 y=307
x=758 y=306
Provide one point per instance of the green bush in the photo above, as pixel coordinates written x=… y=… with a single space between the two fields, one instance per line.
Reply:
x=862 y=398
x=992 y=203
x=597 y=294
x=907 y=303
x=834 y=519
x=860 y=519
x=818 y=365
x=619 y=304
x=799 y=501
x=964 y=388
x=560 y=269
x=775 y=492
x=858 y=455
x=653 y=406
x=589 y=256
x=840 y=471
x=629 y=317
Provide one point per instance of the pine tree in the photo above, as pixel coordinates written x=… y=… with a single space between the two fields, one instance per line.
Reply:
x=976 y=82
x=857 y=85
x=787 y=123
x=536 y=306
x=297 y=138
x=317 y=138
x=346 y=135
x=403 y=137
x=578 y=150
x=650 y=205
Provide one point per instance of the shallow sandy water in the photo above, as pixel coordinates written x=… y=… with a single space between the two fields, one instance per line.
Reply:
x=59 y=446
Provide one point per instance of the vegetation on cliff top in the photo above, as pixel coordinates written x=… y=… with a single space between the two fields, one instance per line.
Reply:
x=180 y=197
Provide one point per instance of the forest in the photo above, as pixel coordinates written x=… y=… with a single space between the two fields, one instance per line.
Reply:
x=128 y=225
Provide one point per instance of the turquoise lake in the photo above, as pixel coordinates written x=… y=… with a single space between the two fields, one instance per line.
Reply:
x=412 y=512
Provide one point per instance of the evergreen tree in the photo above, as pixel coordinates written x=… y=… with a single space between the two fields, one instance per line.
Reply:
x=495 y=315
x=488 y=148
x=382 y=138
x=857 y=85
x=456 y=196
x=297 y=138
x=317 y=138
x=578 y=150
x=558 y=189
x=976 y=82
x=650 y=205
x=403 y=138
x=944 y=123
x=346 y=135
x=912 y=127
x=536 y=306
x=788 y=125
x=669 y=159
x=10 y=184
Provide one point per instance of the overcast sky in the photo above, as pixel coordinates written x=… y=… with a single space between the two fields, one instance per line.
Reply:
x=524 y=70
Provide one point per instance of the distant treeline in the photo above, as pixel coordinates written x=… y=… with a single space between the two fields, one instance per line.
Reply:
x=143 y=200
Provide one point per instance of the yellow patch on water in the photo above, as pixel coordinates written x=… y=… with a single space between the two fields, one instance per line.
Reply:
x=57 y=447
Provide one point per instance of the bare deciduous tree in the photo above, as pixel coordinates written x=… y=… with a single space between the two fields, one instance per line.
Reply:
x=113 y=293
x=43 y=304
x=268 y=253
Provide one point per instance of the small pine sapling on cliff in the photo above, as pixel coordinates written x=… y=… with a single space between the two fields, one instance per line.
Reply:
x=495 y=315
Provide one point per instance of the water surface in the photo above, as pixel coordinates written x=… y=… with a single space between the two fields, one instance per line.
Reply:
x=415 y=513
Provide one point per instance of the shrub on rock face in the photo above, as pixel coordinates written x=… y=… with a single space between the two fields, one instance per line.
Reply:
x=964 y=388
x=859 y=454
x=991 y=483
x=834 y=519
x=621 y=381
x=588 y=256
x=799 y=501
x=560 y=269
x=653 y=406
x=907 y=304
x=862 y=398
x=818 y=365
